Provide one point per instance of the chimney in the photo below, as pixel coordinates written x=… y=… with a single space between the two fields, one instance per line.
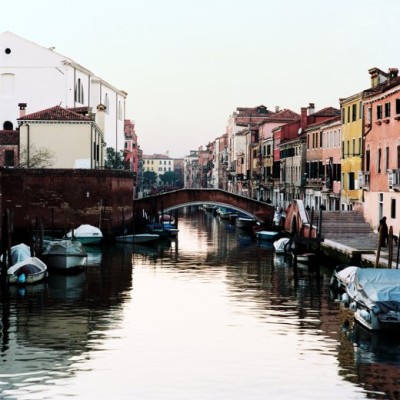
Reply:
x=393 y=72
x=101 y=109
x=22 y=109
x=303 y=121
x=311 y=108
x=276 y=109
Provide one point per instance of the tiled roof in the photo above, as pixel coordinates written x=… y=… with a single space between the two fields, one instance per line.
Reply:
x=56 y=113
x=9 y=137
x=327 y=112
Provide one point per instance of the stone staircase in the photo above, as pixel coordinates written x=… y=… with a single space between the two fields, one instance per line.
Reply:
x=348 y=228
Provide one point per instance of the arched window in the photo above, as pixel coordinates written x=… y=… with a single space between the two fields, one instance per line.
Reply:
x=8 y=126
x=79 y=98
x=106 y=103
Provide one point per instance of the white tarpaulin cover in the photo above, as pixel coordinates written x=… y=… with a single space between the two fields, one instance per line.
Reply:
x=378 y=289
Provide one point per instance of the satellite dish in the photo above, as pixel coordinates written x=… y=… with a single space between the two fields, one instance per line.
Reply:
x=300 y=131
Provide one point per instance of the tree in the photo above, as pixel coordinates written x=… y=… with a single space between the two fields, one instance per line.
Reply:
x=149 y=178
x=115 y=159
x=40 y=157
x=170 y=178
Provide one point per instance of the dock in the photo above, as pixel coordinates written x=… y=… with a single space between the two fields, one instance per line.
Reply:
x=349 y=237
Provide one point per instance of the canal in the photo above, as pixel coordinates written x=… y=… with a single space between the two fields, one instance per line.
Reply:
x=212 y=315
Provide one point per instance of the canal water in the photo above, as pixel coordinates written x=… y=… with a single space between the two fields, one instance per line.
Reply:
x=212 y=315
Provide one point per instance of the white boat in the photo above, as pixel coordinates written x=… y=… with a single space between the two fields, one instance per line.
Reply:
x=281 y=245
x=342 y=276
x=138 y=238
x=306 y=258
x=24 y=268
x=30 y=270
x=374 y=295
x=267 y=235
x=86 y=234
x=245 y=223
x=65 y=254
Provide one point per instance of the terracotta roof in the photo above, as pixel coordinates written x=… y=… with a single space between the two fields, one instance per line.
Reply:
x=9 y=137
x=56 y=113
x=327 y=112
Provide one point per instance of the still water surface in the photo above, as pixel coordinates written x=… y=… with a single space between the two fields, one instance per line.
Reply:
x=213 y=315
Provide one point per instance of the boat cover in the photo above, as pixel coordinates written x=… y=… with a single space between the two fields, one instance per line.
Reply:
x=20 y=252
x=378 y=289
x=85 y=231
x=346 y=275
x=280 y=244
x=65 y=247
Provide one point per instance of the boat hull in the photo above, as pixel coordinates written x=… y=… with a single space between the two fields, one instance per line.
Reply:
x=137 y=238
x=268 y=236
x=14 y=272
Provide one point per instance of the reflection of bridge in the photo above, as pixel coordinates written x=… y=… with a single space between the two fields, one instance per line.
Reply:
x=169 y=201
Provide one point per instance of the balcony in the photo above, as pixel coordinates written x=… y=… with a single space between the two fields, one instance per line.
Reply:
x=363 y=180
x=394 y=179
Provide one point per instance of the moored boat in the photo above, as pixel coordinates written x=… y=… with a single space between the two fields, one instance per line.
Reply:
x=137 y=238
x=374 y=295
x=267 y=235
x=245 y=223
x=30 y=270
x=86 y=234
x=65 y=254
x=281 y=245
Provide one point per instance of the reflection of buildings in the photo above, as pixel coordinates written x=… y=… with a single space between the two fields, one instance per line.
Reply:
x=48 y=329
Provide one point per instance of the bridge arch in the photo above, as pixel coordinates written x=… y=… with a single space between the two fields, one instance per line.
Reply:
x=176 y=199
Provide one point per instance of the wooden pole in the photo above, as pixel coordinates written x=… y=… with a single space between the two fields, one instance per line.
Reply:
x=378 y=252
x=390 y=247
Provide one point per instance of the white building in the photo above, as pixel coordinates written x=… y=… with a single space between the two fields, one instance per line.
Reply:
x=42 y=78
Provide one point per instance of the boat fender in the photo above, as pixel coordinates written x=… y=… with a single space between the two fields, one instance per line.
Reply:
x=353 y=306
x=22 y=278
x=365 y=315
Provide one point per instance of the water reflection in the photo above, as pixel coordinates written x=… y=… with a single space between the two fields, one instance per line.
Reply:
x=213 y=314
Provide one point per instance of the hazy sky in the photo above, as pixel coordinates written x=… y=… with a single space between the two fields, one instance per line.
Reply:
x=187 y=64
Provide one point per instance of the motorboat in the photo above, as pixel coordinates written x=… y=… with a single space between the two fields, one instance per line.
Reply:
x=267 y=235
x=282 y=245
x=86 y=234
x=24 y=268
x=342 y=276
x=374 y=296
x=245 y=223
x=65 y=254
x=137 y=238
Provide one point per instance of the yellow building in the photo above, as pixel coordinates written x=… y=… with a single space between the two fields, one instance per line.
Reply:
x=352 y=150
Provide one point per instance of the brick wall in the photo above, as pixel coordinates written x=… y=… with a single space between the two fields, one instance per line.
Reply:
x=65 y=198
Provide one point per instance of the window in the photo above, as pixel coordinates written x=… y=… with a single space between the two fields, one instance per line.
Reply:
x=348 y=114
x=369 y=115
x=354 y=112
x=348 y=148
x=79 y=92
x=387 y=158
x=398 y=156
x=397 y=106
x=360 y=111
x=379 y=112
x=387 y=110
x=379 y=160
x=367 y=160
x=359 y=147
x=343 y=115
x=393 y=208
x=351 y=181
x=320 y=138
x=106 y=103
x=9 y=158
x=8 y=126
x=354 y=147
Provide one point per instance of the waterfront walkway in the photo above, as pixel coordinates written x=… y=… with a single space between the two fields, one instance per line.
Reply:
x=346 y=232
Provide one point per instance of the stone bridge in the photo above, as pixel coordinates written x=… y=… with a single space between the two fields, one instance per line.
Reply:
x=173 y=200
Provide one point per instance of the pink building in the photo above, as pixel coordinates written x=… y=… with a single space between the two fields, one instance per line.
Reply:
x=381 y=176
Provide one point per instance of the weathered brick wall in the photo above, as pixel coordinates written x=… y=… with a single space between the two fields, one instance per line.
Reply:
x=65 y=198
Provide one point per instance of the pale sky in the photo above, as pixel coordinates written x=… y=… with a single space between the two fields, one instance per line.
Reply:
x=188 y=64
